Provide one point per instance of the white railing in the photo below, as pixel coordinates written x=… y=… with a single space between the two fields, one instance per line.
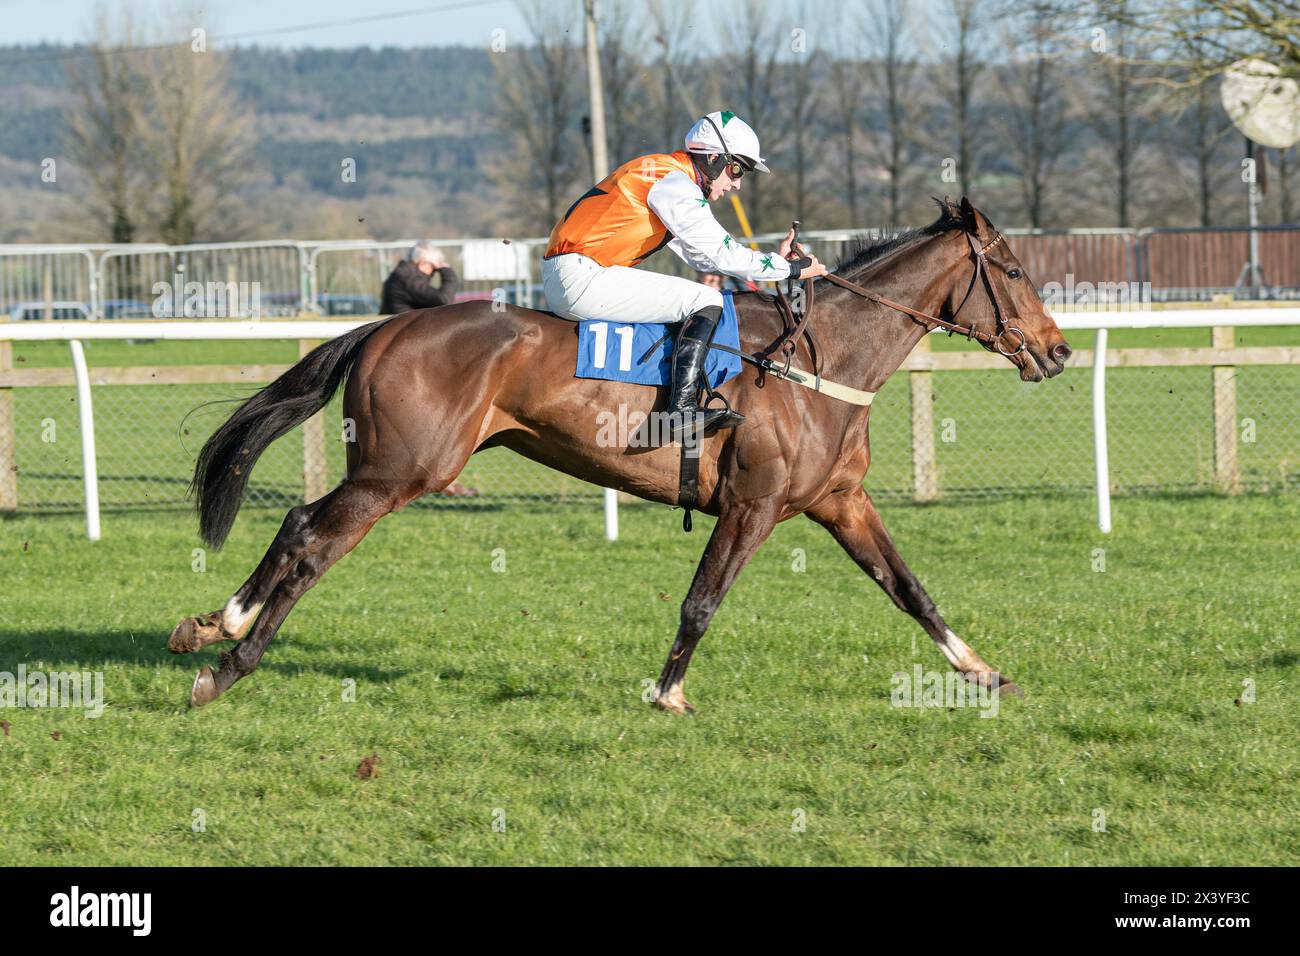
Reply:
x=1103 y=322
x=922 y=362
x=1179 y=264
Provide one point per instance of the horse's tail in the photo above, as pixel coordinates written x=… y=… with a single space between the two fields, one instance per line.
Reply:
x=227 y=458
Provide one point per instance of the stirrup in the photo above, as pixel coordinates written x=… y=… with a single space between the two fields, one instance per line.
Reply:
x=689 y=421
x=730 y=418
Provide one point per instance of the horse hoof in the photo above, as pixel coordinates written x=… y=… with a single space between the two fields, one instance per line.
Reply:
x=205 y=688
x=195 y=633
x=185 y=637
x=675 y=705
x=992 y=680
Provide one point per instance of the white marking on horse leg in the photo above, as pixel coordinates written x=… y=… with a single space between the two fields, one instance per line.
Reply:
x=671 y=697
x=235 y=620
x=959 y=653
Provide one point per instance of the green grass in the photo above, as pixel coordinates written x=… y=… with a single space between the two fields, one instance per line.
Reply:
x=521 y=691
x=1258 y=335
x=112 y=353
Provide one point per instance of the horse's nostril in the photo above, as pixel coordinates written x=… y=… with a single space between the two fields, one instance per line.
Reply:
x=1061 y=352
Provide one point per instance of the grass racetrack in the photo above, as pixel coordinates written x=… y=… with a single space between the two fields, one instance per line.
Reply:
x=515 y=696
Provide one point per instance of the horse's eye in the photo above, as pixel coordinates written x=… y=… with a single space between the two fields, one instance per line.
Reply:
x=1014 y=274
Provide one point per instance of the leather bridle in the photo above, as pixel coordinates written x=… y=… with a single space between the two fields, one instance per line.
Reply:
x=795 y=323
x=991 y=342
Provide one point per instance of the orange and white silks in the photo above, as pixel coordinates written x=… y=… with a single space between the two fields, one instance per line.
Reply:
x=651 y=202
x=612 y=222
x=648 y=203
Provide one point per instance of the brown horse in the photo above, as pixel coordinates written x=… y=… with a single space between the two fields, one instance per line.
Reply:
x=427 y=389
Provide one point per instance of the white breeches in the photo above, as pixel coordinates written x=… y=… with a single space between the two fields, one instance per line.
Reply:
x=580 y=288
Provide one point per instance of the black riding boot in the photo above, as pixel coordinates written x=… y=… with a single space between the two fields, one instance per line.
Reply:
x=688 y=365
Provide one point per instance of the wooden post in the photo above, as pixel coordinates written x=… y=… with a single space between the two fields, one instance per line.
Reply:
x=47 y=291
x=315 y=476
x=1227 y=471
x=8 y=432
x=235 y=304
x=925 y=476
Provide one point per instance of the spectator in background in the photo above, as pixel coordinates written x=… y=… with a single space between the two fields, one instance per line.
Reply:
x=716 y=280
x=408 y=286
x=711 y=279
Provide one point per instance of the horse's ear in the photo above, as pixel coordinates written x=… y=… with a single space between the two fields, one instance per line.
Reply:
x=968 y=219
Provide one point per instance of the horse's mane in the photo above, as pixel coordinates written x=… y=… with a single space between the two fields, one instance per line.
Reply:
x=860 y=253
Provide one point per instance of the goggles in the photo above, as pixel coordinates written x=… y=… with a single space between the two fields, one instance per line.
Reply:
x=736 y=168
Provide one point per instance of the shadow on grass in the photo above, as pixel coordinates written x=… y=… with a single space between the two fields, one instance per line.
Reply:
x=61 y=649
x=267 y=498
x=1281 y=659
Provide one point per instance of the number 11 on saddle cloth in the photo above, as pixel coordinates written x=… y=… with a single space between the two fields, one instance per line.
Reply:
x=641 y=353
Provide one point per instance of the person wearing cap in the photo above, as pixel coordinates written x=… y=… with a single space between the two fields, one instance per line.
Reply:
x=663 y=200
x=407 y=286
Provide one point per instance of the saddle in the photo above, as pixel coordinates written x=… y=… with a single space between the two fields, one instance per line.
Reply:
x=640 y=353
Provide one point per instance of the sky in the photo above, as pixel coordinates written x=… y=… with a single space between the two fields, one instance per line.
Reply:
x=283 y=23
x=294 y=24
x=378 y=23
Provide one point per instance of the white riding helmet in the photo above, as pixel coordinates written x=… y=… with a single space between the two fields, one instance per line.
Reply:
x=737 y=138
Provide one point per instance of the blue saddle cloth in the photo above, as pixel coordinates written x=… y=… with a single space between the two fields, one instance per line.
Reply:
x=613 y=351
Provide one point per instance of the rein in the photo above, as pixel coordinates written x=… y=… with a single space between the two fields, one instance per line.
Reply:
x=795 y=326
x=993 y=341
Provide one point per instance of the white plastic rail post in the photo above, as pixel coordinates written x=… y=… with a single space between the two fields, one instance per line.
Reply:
x=611 y=514
x=1101 y=450
x=89 y=467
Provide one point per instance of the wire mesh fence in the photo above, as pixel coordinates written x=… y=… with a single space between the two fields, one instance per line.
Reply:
x=279 y=278
x=147 y=438
x=992 y=435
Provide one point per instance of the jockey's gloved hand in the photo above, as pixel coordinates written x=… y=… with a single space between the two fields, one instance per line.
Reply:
x=807 y=267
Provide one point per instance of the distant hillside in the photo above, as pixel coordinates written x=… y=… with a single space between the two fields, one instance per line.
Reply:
x=421 y=126
x=414 y=121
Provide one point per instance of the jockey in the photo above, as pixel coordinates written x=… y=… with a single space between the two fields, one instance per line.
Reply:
x=645 y=204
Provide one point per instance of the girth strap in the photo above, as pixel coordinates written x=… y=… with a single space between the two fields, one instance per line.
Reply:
x=688 y=483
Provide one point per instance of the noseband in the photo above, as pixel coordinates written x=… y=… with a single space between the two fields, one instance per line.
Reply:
x=990 y=342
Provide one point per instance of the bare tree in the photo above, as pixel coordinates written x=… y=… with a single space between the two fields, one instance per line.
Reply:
x=1285 y=170
x=1186 y=44
x=891 y=69
x=802 y=110
x=1202 y=38
x=101 y=131
x=1119 y=114
x=159 y=132
x=753 y=43
x=672 y=30
x=1033 y=109
x=537 y=90
x=195 y=139
x=621 y=70
x=847 y=81
x=964 y=29
x=1200 y=129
